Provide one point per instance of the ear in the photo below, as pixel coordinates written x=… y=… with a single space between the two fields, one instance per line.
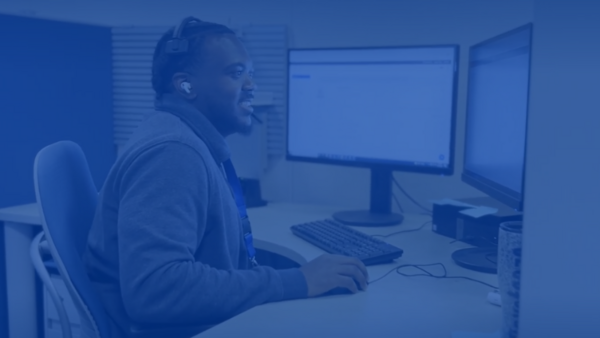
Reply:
x=177 y=80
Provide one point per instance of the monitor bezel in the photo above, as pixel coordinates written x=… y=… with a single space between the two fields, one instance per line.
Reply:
x=495 y=190
x=446 y=171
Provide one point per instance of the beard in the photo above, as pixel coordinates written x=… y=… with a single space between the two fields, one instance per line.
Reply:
x=246 y=130
x=230 y=121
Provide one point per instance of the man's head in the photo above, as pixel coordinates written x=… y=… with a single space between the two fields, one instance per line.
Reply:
x=214 y=74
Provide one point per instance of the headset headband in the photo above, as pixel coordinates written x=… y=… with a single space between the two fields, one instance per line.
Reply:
x=179 y=45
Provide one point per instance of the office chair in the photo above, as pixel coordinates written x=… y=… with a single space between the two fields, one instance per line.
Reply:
x=66 y=198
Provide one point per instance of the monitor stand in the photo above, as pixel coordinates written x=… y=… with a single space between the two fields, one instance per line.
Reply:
x=478 y=259
x=484 y=258
x=380 y=213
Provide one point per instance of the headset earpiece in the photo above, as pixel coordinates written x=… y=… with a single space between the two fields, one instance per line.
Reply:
x=186 y=87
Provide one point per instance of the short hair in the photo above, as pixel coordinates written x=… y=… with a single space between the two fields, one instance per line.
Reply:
x=164 y=64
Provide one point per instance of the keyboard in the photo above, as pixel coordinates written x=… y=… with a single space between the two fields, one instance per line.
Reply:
x=337 y=238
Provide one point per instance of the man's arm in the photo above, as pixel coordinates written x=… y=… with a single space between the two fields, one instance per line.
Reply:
x=163 y=202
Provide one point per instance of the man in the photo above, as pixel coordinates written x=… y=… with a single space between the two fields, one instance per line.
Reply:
x=167 y=245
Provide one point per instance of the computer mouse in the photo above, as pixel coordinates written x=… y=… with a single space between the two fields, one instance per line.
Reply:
x=337 y=291
x=341 y=290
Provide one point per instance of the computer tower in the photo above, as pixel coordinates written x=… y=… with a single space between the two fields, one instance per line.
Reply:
x=455 y=221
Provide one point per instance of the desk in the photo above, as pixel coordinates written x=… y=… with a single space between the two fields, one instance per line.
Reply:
x=395 y=306
x=21 y=223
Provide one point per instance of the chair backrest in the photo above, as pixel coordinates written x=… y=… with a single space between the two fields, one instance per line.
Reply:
x=66 y=197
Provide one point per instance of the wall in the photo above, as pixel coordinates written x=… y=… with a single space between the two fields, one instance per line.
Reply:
x=561 y=274
x=51 y=90
x=315 y=23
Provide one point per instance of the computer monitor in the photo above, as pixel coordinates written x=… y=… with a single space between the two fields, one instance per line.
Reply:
x=385 y=109
x=496 y=124
x=496 y=131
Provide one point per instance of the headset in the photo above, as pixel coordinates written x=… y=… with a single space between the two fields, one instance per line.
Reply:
x=178 y=44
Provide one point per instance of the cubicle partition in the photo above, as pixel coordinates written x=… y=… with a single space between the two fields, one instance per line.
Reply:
x=3 y=300
x=55 y=84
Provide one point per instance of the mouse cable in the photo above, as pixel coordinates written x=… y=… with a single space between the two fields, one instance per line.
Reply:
x=428 y=274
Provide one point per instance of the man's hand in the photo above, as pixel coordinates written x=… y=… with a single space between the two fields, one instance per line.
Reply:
x=331 y=271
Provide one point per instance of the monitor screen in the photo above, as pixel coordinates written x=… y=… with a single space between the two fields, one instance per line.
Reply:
x=373 y=107
x=497 y=105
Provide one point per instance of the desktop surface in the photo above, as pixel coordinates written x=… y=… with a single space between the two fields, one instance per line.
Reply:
x=394 y=306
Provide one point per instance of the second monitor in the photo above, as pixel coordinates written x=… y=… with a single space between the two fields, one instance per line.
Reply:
x=383 y=108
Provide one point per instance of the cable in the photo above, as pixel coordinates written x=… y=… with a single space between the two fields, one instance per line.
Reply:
x=398 y=203
x=382 y=277
x=429 y=212
x=403 y=231
x=471 y=238
x=428 y=274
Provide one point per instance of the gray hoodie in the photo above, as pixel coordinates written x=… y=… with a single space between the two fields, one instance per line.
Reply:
x=166 y=245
